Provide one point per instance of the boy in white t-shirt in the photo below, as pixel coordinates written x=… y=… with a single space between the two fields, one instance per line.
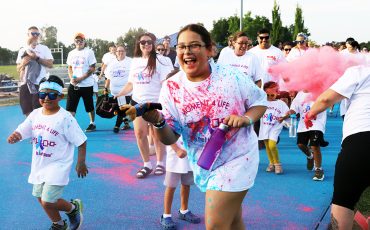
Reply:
x=177 y=169
x=55 y=133
x=271 y=126
x=310 y=139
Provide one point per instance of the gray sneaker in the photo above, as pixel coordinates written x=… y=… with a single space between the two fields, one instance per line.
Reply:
x=319 y=175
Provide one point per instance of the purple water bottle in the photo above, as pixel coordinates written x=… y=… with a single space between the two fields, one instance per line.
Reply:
x=213 y=147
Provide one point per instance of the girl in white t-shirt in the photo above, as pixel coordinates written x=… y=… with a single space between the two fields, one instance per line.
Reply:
x=54 y=133
x=147 y=72
x=271 y=126
x=195 y=102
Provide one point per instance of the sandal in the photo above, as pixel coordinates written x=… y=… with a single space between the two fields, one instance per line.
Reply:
x=143 y=172
x=159 y=170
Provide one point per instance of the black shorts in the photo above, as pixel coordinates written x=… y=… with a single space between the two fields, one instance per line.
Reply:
x=74 y=96
x=352 y=171
x=312 y=138
x=28 y=101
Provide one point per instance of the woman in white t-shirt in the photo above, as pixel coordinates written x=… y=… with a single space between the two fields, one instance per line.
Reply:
x=245 y=61
x=147 y=72
x=116 y=77
x=352 y=169
x=195 y=102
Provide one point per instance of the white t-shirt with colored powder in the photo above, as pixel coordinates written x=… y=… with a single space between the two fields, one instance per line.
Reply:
x=267 y=58
x=146 y=87
x=54 y=138
x=247 y=64
x=270 y=128
x=117 y=72
x=195 y=109
x=302 y=104
x=81 y=60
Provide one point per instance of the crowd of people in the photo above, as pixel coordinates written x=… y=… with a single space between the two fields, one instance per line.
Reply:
x=199 y=90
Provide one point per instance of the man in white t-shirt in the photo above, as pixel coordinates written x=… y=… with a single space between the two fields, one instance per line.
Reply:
x=310 y=139
x=352 y=169
x=81 y=65
x=267 y=54
x=107 y=58
x=42 y=55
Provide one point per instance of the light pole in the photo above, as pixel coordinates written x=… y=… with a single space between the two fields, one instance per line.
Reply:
x=241 y=15
x=61 y=51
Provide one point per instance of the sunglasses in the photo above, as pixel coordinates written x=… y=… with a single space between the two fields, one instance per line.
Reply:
x=51 y=95
x=35 y=34
x=148 y=42
x=160 y=50
x=79 y=41
x=264 y=37
x=287 y=49
x=300 y=42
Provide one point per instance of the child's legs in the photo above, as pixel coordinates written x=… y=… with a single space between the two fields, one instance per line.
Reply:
x=223 y=210
x=186 y=180
x=317 y=156
x=171 y=180
x=168 y=198
x=302 y=142
x=316 y=137
x=268 y=152
x=273 y=151
x=49 y=197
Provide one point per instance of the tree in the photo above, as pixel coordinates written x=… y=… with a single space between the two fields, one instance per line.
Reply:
x=299 y=23
x=276 y=24
x=129 y=39
x=220 y=31
x=7 y=57
x=99 y=46
x=49 y=36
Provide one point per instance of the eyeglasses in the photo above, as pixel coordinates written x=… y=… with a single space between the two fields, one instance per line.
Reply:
x=194 y=48
x=287 y=49
x=159 y=50
x=51 y=95
x=79 y=41
x=243 y=43
x=264 y=37
x=300 y=42
x=35 y=34
x=148 y=42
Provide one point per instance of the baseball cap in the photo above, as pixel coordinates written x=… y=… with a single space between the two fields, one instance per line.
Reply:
x=81 y=35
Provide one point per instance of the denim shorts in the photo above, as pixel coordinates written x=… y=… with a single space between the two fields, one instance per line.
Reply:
x=47 y=193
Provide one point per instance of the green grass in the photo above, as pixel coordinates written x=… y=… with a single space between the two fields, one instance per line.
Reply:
x=364 y=204
x=11 y=70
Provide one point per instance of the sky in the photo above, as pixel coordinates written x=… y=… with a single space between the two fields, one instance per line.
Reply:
x=327 y=20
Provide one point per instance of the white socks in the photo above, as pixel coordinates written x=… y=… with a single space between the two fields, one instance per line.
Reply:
x=148 y=165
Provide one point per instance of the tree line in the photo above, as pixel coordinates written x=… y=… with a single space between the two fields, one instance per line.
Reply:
x=222 y=29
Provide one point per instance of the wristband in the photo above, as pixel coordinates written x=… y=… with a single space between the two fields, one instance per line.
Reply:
x=250 y=120
x=160 y=125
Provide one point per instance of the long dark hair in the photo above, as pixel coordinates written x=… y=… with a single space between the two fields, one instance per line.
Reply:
x=204 y=34
x=151 y=66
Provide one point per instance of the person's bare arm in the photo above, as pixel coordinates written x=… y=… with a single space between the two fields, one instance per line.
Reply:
x=324 y=101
